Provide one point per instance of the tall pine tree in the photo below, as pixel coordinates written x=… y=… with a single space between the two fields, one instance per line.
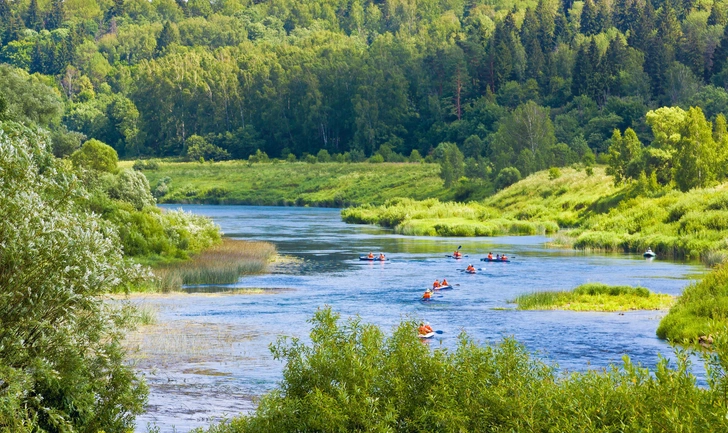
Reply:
x=57 y=15
x=33 y=19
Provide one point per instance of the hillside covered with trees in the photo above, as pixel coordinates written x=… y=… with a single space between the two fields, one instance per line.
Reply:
x=512 y=83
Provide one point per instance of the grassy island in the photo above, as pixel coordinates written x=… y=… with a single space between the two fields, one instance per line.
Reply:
x=596 y=297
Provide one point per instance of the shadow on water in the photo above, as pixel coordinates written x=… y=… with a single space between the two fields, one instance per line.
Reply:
x=328 y=272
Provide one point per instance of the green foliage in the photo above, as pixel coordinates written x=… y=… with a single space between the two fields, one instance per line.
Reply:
x=199 y=148
x=699 y=308
x=507 y=177
x=554 y=173
x=95 y=155
x=353 y=378
x=61 y=361
x=451 y=161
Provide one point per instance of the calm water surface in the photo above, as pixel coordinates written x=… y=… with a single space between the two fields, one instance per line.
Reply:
x=237 y=329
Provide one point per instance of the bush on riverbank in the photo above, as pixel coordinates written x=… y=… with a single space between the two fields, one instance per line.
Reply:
x=701 y=307
x=353 y=378
x=323 y=184
x=595 y=297
x=221 y=264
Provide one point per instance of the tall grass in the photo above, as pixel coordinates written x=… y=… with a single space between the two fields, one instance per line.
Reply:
x=595 y=297
x=221 y=264
x=701 y=306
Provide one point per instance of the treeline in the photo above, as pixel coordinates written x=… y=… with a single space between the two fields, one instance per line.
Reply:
x=513 y=84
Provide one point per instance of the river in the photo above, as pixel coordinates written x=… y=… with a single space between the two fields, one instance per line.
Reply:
x=209 y=358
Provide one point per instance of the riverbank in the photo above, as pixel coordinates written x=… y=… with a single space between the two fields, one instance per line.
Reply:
x=599 y=216
x=293 y=184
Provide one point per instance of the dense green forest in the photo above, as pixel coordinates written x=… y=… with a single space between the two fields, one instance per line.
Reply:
x=511 y=82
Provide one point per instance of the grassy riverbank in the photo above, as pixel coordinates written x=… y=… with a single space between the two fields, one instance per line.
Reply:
x=288 y=184
x=596 y=297
x=220 y=264
x=599 y=216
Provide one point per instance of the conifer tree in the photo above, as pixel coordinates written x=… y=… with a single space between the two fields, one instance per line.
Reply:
x=56 y=16
x=717 y=15
x=588 y=21
x=33 y=18
x=169 y=35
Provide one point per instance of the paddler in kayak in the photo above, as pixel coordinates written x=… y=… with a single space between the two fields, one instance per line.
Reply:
x=371 y=255
x=504 y=258
x=490 y=256
x=424 y=328
x=457 y=254
x=444 y=283
x=427 y=295
x=381 y=256
x=470 y=269
x=436 y=284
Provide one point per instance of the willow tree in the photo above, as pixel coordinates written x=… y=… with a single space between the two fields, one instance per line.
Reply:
x=61 y=365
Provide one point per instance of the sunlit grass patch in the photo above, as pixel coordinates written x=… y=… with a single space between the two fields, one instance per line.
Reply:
x=596 y=297
x=221 y=264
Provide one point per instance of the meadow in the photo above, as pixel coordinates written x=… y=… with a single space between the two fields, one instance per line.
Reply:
x=595 y=297
x=280 y=183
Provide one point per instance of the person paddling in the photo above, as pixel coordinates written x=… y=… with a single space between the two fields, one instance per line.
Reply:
x=381 y=256
x=424 y=328
x=427 y=295
x=504 y=258
x=436 y=284
x=490 y=256
x=371 y=255
x=444 y=283
x=456 y=254
x=470 y=268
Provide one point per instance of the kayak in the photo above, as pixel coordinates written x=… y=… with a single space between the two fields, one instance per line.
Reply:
x=457 y=257
x=470 y=272
x=428 y=335
x=649 y=254
x=448 y=287
x=485 y=259
x=374 y=259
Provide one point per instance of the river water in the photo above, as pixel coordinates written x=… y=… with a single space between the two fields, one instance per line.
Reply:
x=209 y=356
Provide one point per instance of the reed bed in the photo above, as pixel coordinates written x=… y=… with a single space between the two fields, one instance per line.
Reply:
x=222 y=264
x=595 y=297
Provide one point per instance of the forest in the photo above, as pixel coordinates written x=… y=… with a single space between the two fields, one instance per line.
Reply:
x=513 y=84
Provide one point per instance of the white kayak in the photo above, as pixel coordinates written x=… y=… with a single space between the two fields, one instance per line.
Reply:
x=428 y=335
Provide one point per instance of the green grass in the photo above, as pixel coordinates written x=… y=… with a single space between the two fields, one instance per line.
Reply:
x=595 y=297
x=288 y=184
x=598 y=215
x=221 y=264
x=701 y=306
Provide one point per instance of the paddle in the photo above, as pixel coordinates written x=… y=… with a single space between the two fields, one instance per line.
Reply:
x=438 y=332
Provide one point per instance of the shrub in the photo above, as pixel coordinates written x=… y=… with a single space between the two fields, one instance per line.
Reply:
x=351 y=378
x=96 y=155
x=376 y=159
x=132 y=186
x=507 y=177
x=61 y=363
x=199 y=148
x=323 y=156
x=554 y=173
